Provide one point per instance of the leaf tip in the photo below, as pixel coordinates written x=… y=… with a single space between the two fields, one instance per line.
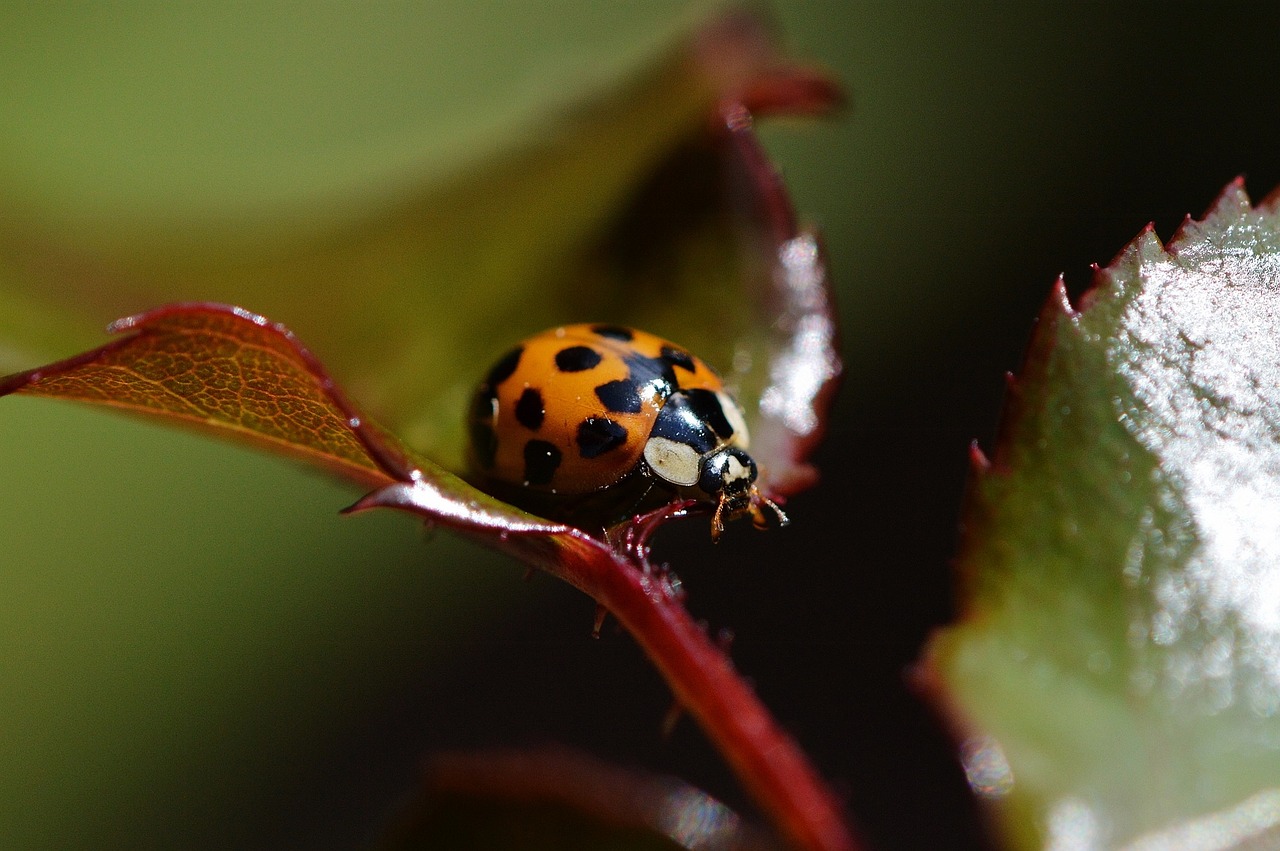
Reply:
x=1147 y=238
x=1058 y=298
x=1146 y=243
x=1231 y=204
x=1232 y=199
x=1057 y=305
x=1184 y=227
x=794 y=91
x=1232 y=207
x=979 y=463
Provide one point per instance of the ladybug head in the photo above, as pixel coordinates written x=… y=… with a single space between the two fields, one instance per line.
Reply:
x=729 y=474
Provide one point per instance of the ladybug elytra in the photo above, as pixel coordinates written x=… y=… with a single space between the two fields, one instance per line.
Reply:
x=580 y=413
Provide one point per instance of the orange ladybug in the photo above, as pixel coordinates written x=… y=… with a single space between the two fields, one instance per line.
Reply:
x=583 y=412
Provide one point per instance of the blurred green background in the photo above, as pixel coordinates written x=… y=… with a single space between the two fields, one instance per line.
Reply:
x=198 y=652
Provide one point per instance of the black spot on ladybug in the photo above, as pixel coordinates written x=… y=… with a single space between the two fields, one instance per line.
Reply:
x=619 y=396
x=541 y=460
x=678 y=357
x=577 y=359
x=503 y=368
x=652 y=372
x=614 y=332
x=484 y=443
x=598 y=435
x=706 y=406
x=530 y=410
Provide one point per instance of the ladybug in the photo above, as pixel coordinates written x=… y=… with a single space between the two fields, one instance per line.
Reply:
x=586 y=416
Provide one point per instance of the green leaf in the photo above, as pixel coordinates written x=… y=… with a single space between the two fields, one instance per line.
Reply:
x=405 y=202
x=154 y=117
x=1117 y=665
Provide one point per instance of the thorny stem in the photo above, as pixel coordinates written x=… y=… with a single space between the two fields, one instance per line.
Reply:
x=766 y=759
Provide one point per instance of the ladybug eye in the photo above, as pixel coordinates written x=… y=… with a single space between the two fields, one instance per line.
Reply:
x=678 y=463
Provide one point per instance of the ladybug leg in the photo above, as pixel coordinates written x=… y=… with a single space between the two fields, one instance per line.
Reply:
x=758 y=517
x=717 y=522
x=632 y=536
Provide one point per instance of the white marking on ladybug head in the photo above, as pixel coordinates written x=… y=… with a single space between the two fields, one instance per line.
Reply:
x=675 y=462
x=733 y=413
x=735 y=470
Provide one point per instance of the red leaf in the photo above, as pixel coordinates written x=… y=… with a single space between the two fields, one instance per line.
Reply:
x=793 y=304
x=227 y=370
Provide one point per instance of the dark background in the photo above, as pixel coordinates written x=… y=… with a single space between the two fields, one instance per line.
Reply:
x=986 y=150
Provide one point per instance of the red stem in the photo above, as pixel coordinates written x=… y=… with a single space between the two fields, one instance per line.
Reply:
x=768 y=761
x=619 y=577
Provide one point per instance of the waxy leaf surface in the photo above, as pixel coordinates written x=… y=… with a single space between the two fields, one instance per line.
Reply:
x=1116 y=670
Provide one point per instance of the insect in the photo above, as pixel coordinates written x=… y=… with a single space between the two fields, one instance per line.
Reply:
x=591 y=414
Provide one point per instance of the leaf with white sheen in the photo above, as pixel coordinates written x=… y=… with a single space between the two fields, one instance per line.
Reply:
x=1117 y=663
